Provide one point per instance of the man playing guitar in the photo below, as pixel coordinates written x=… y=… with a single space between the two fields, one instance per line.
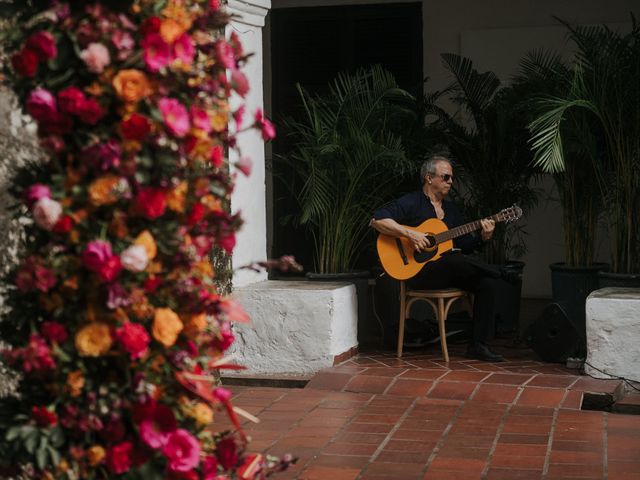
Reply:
x=452 y=269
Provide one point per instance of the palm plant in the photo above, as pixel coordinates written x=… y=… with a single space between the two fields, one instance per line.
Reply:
x=542 y=74
x=605 y=83
x=487 y=138
x=347 y=158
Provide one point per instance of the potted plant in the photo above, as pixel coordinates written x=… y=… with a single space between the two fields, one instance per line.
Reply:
x=487 y=138
x=347 y=158
x=604 y=87
x=543 y=74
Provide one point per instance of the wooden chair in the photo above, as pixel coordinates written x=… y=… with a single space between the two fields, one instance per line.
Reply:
x=440 y=301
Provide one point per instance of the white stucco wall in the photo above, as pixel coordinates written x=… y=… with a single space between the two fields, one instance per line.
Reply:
x=495 y=34
x=249 y=194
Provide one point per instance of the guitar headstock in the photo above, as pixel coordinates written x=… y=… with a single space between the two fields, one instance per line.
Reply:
x=509 y=214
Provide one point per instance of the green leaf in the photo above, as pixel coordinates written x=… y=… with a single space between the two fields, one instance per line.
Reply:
x=31 y=442
x=42 y=457
x=13 y=433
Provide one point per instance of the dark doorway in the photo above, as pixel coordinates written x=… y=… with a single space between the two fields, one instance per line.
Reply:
x=311 y=46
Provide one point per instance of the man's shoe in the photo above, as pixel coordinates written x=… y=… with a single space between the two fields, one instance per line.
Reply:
x=480 y=351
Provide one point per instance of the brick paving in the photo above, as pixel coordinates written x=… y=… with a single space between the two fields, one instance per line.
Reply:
x=376 y=417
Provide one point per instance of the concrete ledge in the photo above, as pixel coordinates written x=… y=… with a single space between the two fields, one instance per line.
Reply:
x=298 y=327
x=613 y=333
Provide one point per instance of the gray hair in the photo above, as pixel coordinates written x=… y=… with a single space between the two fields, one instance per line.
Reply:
x=429 y=165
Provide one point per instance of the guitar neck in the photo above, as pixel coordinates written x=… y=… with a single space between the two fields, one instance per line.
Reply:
x=462 y=230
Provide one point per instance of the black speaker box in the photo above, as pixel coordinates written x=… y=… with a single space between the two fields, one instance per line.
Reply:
x=553 y=336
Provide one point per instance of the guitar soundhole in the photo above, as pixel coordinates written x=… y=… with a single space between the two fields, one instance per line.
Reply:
x=427 y=255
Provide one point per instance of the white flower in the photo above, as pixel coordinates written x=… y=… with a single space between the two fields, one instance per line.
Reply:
x=134 y=258
x=46 y=213
x=96 y=57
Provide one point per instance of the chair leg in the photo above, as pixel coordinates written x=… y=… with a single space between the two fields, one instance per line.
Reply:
x=443 y=335
x=403 y=298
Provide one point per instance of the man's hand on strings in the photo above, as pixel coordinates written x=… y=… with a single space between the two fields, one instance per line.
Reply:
x=420 y=241
x=488 y=226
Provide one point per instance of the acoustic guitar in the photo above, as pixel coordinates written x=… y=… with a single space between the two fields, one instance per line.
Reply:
x=401 y=261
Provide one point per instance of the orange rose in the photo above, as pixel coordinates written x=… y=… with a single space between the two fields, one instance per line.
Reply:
x=166 y=326
x=170 y=30
x=131 y=85
x=202 y=413
x=175 y=11
x=219 y=121
x=212 y=203
x=203 y=268
x=93 y=340
x=147 y=241
x=176 y=197
x=195 y=324
x=140 y=305
x=75 y=383
x=103 y=191
x=95 y=455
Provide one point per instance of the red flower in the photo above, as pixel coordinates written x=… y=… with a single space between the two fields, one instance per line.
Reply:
x=226 y=453
x=150 y=25
x=119 y=457
x=158 y=426
x=43 y=416
x=71 y=100
x=110 y=269
x=228 y=243
x=134 y=339
x=43 y=45
x=196 y=215
x=99 y=258
x=64 y=225
x=182 y=475
x=151 y=284
x=57 y=124
x=136 y=127
x=217 y=155
x=91 y=111
x=150 y=202
x=209 y=468
x=54 y=332
x=25 y=62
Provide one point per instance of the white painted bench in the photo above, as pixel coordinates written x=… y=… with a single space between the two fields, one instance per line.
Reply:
x=298 y=327
x=613 y=333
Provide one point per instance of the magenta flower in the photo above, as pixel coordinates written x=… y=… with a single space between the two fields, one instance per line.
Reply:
x=265 y=126
x=225 y=55
x=36 y=192
x=183 y=49
x=41 y=104
x=45 y=279
x=239 y=83
x=200 y=119
x=175 y=116
x=43 y=44
x=157 y=52
x=182 y=451
x=99 y=258
x=156 y=428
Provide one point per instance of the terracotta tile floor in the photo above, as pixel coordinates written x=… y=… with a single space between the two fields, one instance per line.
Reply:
x=376 y=417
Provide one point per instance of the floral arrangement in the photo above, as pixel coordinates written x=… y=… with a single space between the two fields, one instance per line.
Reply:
x=117 y=324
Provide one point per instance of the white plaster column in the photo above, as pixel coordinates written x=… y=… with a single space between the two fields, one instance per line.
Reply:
x=249 y=196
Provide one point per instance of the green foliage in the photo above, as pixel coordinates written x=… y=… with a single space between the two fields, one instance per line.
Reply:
x=347 y=159
x=604 y=86
x=487 y=139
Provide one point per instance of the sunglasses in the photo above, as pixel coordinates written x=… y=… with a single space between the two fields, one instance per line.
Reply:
x=445 y=177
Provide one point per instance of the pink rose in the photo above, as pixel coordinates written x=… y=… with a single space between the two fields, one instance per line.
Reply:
x=71 y=100
x=175 y=116
x=183 y=49
x=239 y=83
x=157 y=426
x=36 y=192
x=43 y=44
x=157 y=52
x=41 y=104
x=266 y=127
x=99 y=258
x=96 y=57
x=46 y=213
x=225 y=55
x=134 y=339
x=182 y=451
x=200 y=119
x=124 y=43
x=244 y=165
x=134 y=258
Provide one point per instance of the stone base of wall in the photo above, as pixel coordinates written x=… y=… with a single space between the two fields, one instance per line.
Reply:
x=298 y=327
x=613 y=333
